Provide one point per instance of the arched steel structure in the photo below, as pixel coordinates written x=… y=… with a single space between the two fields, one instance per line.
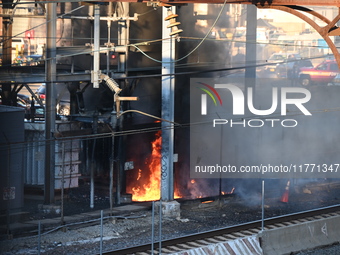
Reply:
x=330 y=29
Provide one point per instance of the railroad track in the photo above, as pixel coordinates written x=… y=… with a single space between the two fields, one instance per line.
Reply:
x=229 y=233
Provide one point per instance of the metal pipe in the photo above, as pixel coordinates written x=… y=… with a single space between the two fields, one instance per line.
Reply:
x=153 y=227
x=160 y=227
x=39 y=237
x=101 y=232
x=118 y=176
x=92 y=176
x=112 y=19
x=62 y=181
x=96 y=46
x=95 y=131
x=123 y=31
x=250 y=72
x=262 y=223
x=4 y=15
x=109 y=14
x=8 y=183
x=111 y=174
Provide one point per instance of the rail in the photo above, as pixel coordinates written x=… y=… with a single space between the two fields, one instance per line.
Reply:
x=253 y=227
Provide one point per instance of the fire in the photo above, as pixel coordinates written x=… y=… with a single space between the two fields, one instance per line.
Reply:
x=147 y=184
x=139 y=174
x=177 y=195
x=230 y=192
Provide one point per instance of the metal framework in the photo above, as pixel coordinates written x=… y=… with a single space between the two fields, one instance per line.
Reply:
x=330 y=29
x=294 y=7
x=256 y=2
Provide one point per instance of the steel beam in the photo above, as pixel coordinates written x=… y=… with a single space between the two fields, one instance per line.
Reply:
x=323 y=31
x=251 y=45
x=273 y=2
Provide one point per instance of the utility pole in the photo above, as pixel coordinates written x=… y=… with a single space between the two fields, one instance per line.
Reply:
x=250 y=73
x=123 y=40
x=7 y=21
x=168 y=98
x=50 y=108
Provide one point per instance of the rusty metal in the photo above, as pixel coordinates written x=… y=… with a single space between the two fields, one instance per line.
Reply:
x=261 y=2
x=323 y=31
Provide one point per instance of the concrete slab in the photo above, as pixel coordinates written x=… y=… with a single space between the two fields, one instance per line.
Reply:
x=170 y=209
x=303 y=236
x=131 y=208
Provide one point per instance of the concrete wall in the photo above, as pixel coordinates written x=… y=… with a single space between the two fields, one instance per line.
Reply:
x=302 y=236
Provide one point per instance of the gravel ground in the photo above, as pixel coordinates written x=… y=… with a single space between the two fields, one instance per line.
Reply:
x=328 y=250
x=135 y=228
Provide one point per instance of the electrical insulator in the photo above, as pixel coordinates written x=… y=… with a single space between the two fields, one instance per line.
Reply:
x=173 y=23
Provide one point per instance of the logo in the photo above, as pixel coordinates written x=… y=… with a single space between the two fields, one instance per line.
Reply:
x=204 y=97
x=286 y=95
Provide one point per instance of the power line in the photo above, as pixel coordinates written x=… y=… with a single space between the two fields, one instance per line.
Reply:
x=175 y=126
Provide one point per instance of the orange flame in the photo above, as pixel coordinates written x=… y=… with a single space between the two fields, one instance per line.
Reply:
x=147 y=185
x=139 y=174
x=230 y=192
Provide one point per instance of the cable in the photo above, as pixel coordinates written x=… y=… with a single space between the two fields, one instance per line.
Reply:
x=146 y=114
x=155 y=129
x=58 y=17
x=153 y=9
x=50 y=1
x=193 y=50
x=62 y=31
x=82 y=222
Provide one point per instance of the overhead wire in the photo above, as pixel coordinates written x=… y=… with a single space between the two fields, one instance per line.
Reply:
x=173 y=126
x=157 y=40
x=48 y=2
x=194 y=49
x=47 y=21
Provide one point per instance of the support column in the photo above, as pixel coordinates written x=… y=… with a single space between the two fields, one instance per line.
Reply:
x=50 y=107
x=96 y=47
x=123 y=39
x=250 y=72
x=168 y=93
x=123 y=35
x=7 y=49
